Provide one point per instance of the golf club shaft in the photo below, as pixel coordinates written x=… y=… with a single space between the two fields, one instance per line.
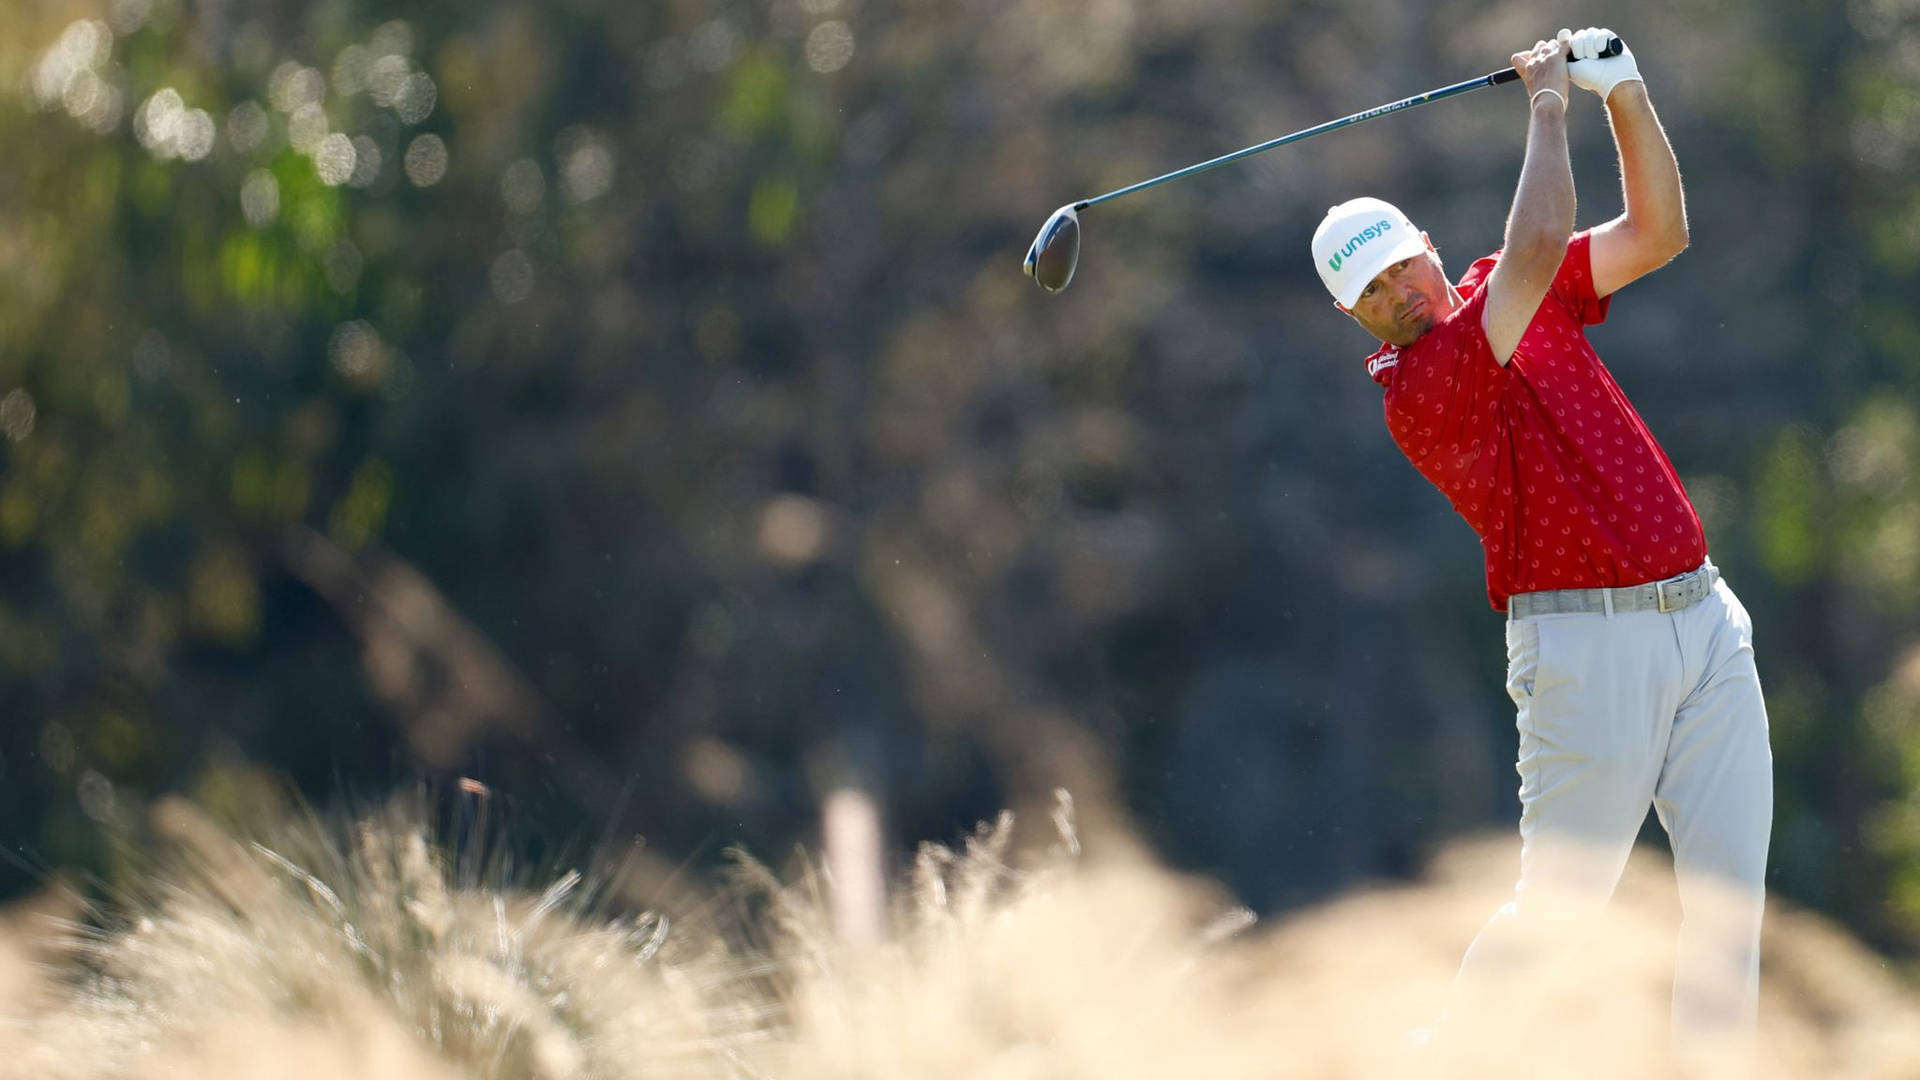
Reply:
x=1491 y=79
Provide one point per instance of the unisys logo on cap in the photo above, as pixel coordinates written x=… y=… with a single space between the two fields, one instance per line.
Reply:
x=1378 y=228
x=1358 y=239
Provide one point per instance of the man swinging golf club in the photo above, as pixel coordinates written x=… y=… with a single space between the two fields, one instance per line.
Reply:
x=1629 y=660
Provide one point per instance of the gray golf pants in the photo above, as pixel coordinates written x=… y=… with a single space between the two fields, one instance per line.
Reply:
x=1615 y=712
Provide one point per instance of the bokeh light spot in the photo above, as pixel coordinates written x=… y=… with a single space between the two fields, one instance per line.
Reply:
x=793 y=530
x=83 y=47
x=356 y=351
x=260 y=198
x=664 y=64
x=714 y=45
x=333 y=159
x=128 y=16
x=196 y=135
x=155 y=121
x=366 y=162
x=294 y=84
x=168 y=129
x=247 y=127
x=307 y=127
x=386 y=79
x=95 y=794
x=511 y=276
x=716 y=770
x=17 y=414
x=586 y=164
x=393 y=38
x=522 y=186
x=415 y=99
x=93 y=101
x=830 y=47
x=426 y=160
x=350 y=68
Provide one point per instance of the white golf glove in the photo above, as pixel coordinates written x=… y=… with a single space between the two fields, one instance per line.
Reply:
x=1593 y=72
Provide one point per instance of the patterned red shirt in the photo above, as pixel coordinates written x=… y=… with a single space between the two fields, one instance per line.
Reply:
x=1544 y=457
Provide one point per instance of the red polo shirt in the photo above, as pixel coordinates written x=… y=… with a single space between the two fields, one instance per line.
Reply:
x=1544 y=457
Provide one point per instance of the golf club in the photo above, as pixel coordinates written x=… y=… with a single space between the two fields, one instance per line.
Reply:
x=1056 y=251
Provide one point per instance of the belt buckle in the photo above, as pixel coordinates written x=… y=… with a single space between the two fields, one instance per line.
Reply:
x=1660 y=593
x=1679 y=582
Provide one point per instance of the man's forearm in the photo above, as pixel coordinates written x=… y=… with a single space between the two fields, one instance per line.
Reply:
x=1543 y=204
x=1650 y=177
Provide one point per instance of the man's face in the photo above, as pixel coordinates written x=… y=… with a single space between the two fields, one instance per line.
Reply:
x=1403 y=301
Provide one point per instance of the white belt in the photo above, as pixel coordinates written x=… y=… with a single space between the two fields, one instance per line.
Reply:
x=1673 y=594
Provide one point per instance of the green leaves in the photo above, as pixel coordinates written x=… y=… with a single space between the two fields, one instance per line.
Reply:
x=772 y=211
x=756 y=97
x=1791 y=521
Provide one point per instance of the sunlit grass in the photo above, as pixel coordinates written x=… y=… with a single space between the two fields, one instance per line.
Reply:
x=379 y=948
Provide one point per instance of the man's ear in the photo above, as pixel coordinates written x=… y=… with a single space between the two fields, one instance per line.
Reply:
x=1429 y=242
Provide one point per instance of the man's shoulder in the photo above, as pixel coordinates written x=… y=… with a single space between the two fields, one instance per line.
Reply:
x=1476 y=274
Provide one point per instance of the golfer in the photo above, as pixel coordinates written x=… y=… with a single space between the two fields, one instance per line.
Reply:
x=1630 y=662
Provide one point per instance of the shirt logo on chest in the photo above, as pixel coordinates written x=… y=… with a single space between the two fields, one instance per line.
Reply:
x=1380 y=363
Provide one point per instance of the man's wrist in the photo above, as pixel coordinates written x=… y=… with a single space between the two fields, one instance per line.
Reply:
x=1627 y=91
x=1547 y=94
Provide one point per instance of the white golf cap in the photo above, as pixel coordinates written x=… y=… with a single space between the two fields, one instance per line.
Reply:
x=1358 y=239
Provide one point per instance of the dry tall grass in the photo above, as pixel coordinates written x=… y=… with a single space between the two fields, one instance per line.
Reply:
x=367 y=953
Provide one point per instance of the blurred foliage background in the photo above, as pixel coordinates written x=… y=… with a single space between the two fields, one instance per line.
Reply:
x=639 y=408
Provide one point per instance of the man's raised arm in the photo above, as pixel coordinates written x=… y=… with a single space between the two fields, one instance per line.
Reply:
x=1542 y=216
x=1654 y=227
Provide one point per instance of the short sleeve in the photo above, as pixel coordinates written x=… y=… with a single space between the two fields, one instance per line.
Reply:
x=1573 y=285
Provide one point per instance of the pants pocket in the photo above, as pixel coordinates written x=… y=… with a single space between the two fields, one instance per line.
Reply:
x=1523 y=659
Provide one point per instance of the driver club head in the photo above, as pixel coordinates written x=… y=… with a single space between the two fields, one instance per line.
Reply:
x=1056 y=251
